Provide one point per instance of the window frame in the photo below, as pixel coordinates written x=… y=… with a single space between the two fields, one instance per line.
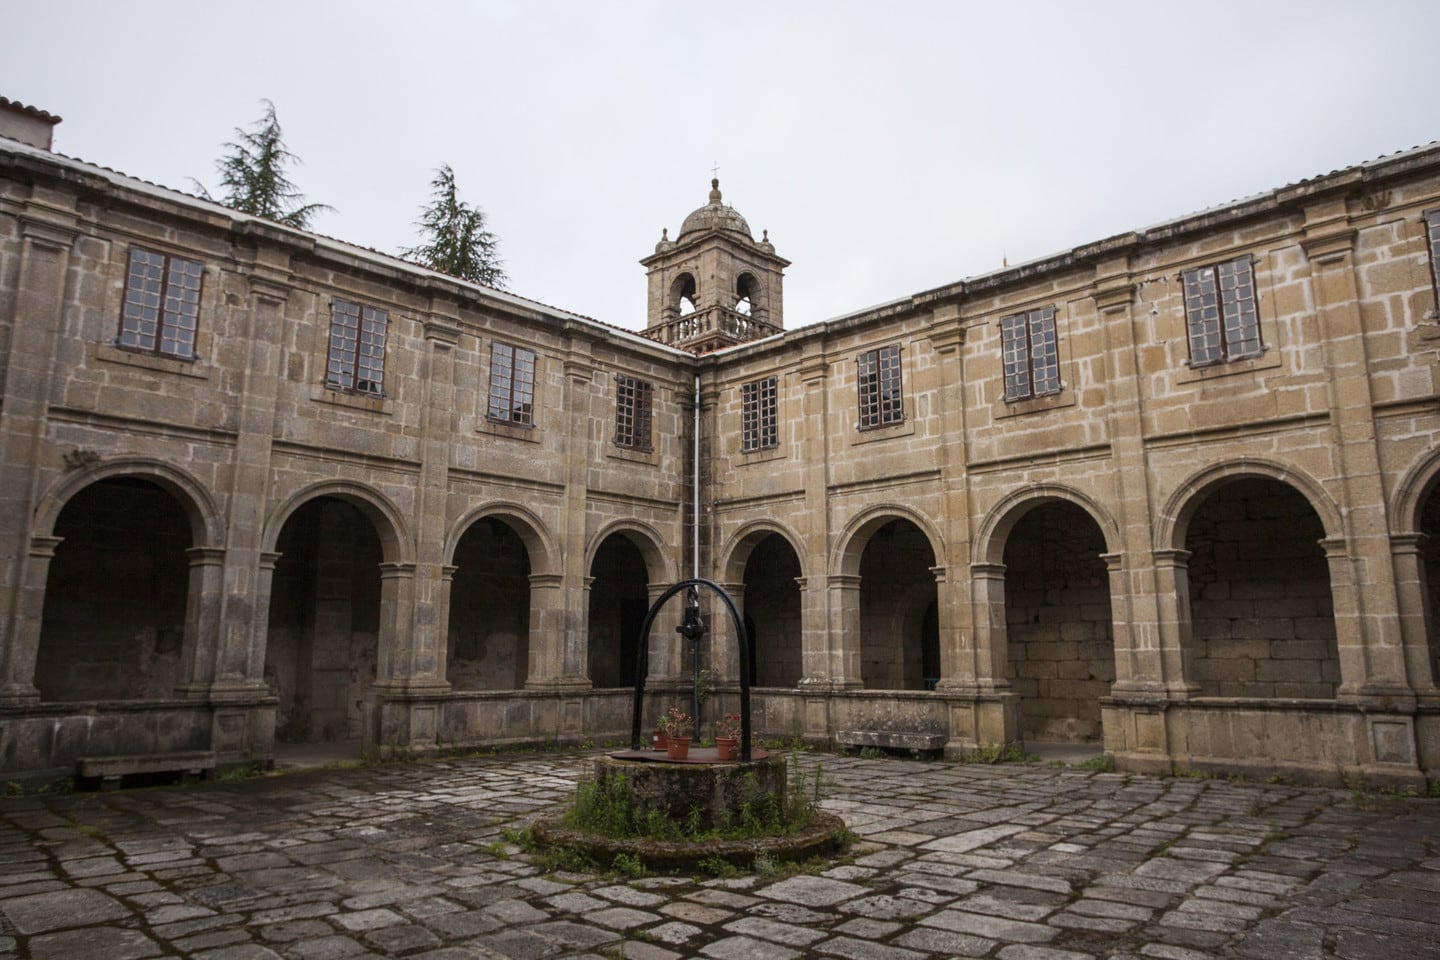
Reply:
x=365 y=353
x=164 y=320
x=634 y=413
x=880 y=389
x=1431 y=219
x=760 y=415
x=1032 y=357
x=511 y=397
x=1205 y=289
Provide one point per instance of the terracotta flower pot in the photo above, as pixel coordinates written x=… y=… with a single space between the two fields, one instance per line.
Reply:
x=660 y=740
x=727 y=748
x=677 y=748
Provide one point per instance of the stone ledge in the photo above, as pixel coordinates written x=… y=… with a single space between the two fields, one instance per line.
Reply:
x=891 y=739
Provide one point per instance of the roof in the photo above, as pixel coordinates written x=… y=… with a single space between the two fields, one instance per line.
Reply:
x=29 y=111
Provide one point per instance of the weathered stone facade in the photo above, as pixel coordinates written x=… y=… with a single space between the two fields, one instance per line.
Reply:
x=237 y=539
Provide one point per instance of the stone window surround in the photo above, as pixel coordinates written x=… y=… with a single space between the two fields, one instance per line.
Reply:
x=162 y=314
x=888 y=406
x=362 y=358
x=760 y=415
x=1431 y=220
x=1025 y=322
x=1190 y=282
x=634 y=414
x=509 y=363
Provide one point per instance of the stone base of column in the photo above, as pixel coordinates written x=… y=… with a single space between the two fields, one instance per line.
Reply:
x=18 y=695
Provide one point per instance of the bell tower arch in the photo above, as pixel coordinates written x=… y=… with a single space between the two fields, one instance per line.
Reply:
x=714 y=285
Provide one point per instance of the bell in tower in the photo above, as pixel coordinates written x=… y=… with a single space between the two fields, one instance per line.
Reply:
x=713 y=285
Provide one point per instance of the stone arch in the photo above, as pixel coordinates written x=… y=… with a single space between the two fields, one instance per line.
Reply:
x=1256 y=585
x=995 y=530
x=660 y=568
x=749 y=293
x=683 y=291
x=396 y=543
x=625 y=568
x=771 y=599
x=532 y=531
x=850 y=545
x=206 y=523
x=1059 y=619
x=1173 y=522
x=1408 y=500
x=122 y=604
x=494 y=626
x=738 y=547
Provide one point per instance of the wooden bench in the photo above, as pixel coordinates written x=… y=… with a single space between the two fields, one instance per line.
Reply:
x=109 y=770
x=892 y=740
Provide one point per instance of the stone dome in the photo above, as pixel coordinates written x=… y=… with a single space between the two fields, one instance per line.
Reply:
x=715 y=216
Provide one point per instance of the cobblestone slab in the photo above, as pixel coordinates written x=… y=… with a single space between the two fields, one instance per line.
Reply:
x=1006 y=863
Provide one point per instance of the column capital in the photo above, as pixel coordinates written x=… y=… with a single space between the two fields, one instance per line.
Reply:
x=987 y=571
x=206 y=556
x=1171 y=558
x=397 y=571
x=44 y=547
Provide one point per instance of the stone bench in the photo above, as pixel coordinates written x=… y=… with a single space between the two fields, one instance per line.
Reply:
x=109 y=770
x=892 y=740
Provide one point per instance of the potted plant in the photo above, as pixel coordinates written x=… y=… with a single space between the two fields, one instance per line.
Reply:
x=727 y=737
x=677 y=726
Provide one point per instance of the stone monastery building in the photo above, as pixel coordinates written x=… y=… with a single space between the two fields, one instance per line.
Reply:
x=1174 y=491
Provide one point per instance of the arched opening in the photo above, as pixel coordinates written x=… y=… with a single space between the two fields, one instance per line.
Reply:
x=747 y=293
x=682 y=294
x=113 y=622
x=896 y=587
x=489 y=640
x=1430 y=547
x=1058 y=626
x=1262 y=622
x=322 y=646
x=772 y=612
x=619 y=599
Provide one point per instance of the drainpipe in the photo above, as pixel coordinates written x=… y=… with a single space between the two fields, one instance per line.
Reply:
x=695 y=557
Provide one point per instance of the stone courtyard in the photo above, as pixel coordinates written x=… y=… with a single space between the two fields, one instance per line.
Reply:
x=1016 y=862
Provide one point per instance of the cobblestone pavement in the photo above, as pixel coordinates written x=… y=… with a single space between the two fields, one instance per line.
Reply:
x=1010 y=862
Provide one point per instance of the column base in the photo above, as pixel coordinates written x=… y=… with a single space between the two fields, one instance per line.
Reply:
x=19 y=695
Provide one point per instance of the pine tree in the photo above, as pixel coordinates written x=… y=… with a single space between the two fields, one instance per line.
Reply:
x=253 y=177
x=454 y=237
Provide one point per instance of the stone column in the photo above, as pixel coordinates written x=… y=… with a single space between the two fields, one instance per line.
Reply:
x=843 y=660
x=724 y=644
x=25 y=393
x=547 y=620
x=1172 y=590
x=1408 y=556
x=205 y=599
x=1367 y=628
x=27 y=623
x=397 y=600
x=669 y=652
x=992 y=655
x=254 y=665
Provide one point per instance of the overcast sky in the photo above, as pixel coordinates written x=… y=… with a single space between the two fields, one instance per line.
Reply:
x=888 y=147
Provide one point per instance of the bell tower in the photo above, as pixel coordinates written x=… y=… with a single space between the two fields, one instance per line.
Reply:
x=714 y=285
